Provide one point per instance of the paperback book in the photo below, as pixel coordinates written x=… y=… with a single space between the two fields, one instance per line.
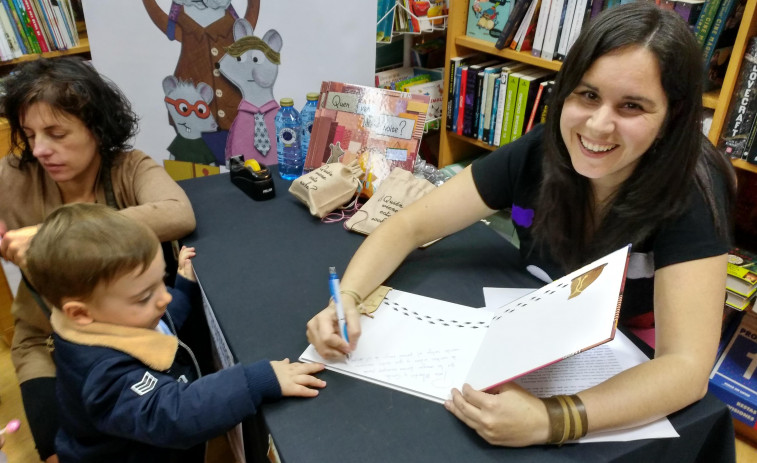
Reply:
x=380 y=128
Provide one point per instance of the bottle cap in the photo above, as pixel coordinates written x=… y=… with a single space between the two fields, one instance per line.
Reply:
x=313 y=96
x=286 y=102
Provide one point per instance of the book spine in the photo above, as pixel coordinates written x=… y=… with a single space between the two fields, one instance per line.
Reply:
x=492 y=117
x=14 y=43
x=44 y=10
x=520 y=108
x=541 y=27
x=743 y=106
x=704 y=22
x=564 y=29
x=479 y=104
x=491 y=76
x=500 y=108
x=535 y=108
x=26 y=25
x=751 y=146
x=37 y=7
x=717 y=27
x=508 y=31
x=14 y=27
x=455 y=111
x=454 y=63
x=35 y=26
x=472 y=89
x=507 y=118
x=461 y=102
x=561 y=28
x=523 y=27
x=550 y=36
x=68 y=20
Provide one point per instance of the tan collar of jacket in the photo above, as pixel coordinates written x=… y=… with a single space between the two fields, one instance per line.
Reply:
x=154 y=349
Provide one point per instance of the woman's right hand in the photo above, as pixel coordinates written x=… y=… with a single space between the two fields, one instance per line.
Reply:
x=15 y=243
x=323 y=330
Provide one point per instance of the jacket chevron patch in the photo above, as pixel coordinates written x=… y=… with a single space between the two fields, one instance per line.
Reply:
x=146 y=384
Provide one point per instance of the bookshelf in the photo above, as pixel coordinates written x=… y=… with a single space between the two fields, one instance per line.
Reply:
x=454 y=148
x=81 y=49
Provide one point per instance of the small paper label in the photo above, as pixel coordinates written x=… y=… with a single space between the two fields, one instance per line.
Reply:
x=390 y=126
x=396 y=154
x=342 y=102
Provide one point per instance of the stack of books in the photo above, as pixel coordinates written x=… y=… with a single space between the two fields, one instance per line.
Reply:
x=36 y=26
x=741 y=282
x=495 y=101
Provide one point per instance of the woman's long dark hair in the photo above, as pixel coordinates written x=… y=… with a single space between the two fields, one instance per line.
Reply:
x=659 y=186
x=69 y=85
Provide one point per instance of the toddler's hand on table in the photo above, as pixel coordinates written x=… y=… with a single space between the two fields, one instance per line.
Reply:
x=296 y=378
x=185 y=263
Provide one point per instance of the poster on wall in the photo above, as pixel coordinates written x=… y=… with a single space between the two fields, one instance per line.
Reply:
x=206 y=77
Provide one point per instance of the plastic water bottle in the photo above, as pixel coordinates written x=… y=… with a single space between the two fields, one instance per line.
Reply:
x=291 y=159
x=307 y=115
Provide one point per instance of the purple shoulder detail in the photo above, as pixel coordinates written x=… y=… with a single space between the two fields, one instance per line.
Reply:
x=522 y=217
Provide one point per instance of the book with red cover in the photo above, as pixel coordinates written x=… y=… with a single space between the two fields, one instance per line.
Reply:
x=380 y=128
x=34 y=22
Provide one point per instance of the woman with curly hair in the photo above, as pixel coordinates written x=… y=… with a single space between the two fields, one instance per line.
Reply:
x=70 y=134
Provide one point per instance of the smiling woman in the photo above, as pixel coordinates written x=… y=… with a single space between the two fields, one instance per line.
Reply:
x=621 y=159
x=71 y=129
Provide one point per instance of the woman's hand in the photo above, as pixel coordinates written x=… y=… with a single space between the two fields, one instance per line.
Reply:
x=185 y=268
x=323 y=330
x=508 y=416
x=15 y=243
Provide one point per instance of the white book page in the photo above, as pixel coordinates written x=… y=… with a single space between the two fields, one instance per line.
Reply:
x=560 y=319
x=583 y=371
x=414 y=344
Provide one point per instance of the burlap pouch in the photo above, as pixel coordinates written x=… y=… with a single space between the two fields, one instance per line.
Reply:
x=327 y=187
x=398 y=190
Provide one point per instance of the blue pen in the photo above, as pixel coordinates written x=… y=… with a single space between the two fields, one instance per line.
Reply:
x=336 y=295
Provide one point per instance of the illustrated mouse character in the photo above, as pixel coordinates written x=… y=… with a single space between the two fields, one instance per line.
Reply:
x=252 y=64
x=189 y=108
x=204 y=29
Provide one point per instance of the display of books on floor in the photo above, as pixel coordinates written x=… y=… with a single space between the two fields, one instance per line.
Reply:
x=741 y=281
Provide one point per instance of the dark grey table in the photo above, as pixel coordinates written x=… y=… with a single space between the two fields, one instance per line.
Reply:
x=264 y=268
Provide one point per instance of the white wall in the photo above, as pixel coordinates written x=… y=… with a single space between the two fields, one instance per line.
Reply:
x=323 y=40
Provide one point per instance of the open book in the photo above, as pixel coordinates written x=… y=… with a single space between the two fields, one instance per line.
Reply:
x=425 y=347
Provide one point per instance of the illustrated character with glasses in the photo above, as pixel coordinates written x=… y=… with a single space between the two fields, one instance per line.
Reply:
x=252 y=64
x=203 y=28
x=189 y=108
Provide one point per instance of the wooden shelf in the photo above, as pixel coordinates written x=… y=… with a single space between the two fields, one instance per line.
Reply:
x=82 y=48
x=473 y=141
x=743 y=165
x=522 y=56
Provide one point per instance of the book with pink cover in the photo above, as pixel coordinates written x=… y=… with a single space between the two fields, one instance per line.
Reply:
x=380 y=128
x=425 y=347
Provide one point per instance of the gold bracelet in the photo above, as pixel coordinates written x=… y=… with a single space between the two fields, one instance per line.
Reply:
x=556 y=420
x=579 y=412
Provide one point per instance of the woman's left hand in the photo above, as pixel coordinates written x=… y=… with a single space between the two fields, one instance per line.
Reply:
x=508 y=415
x=15 y=243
